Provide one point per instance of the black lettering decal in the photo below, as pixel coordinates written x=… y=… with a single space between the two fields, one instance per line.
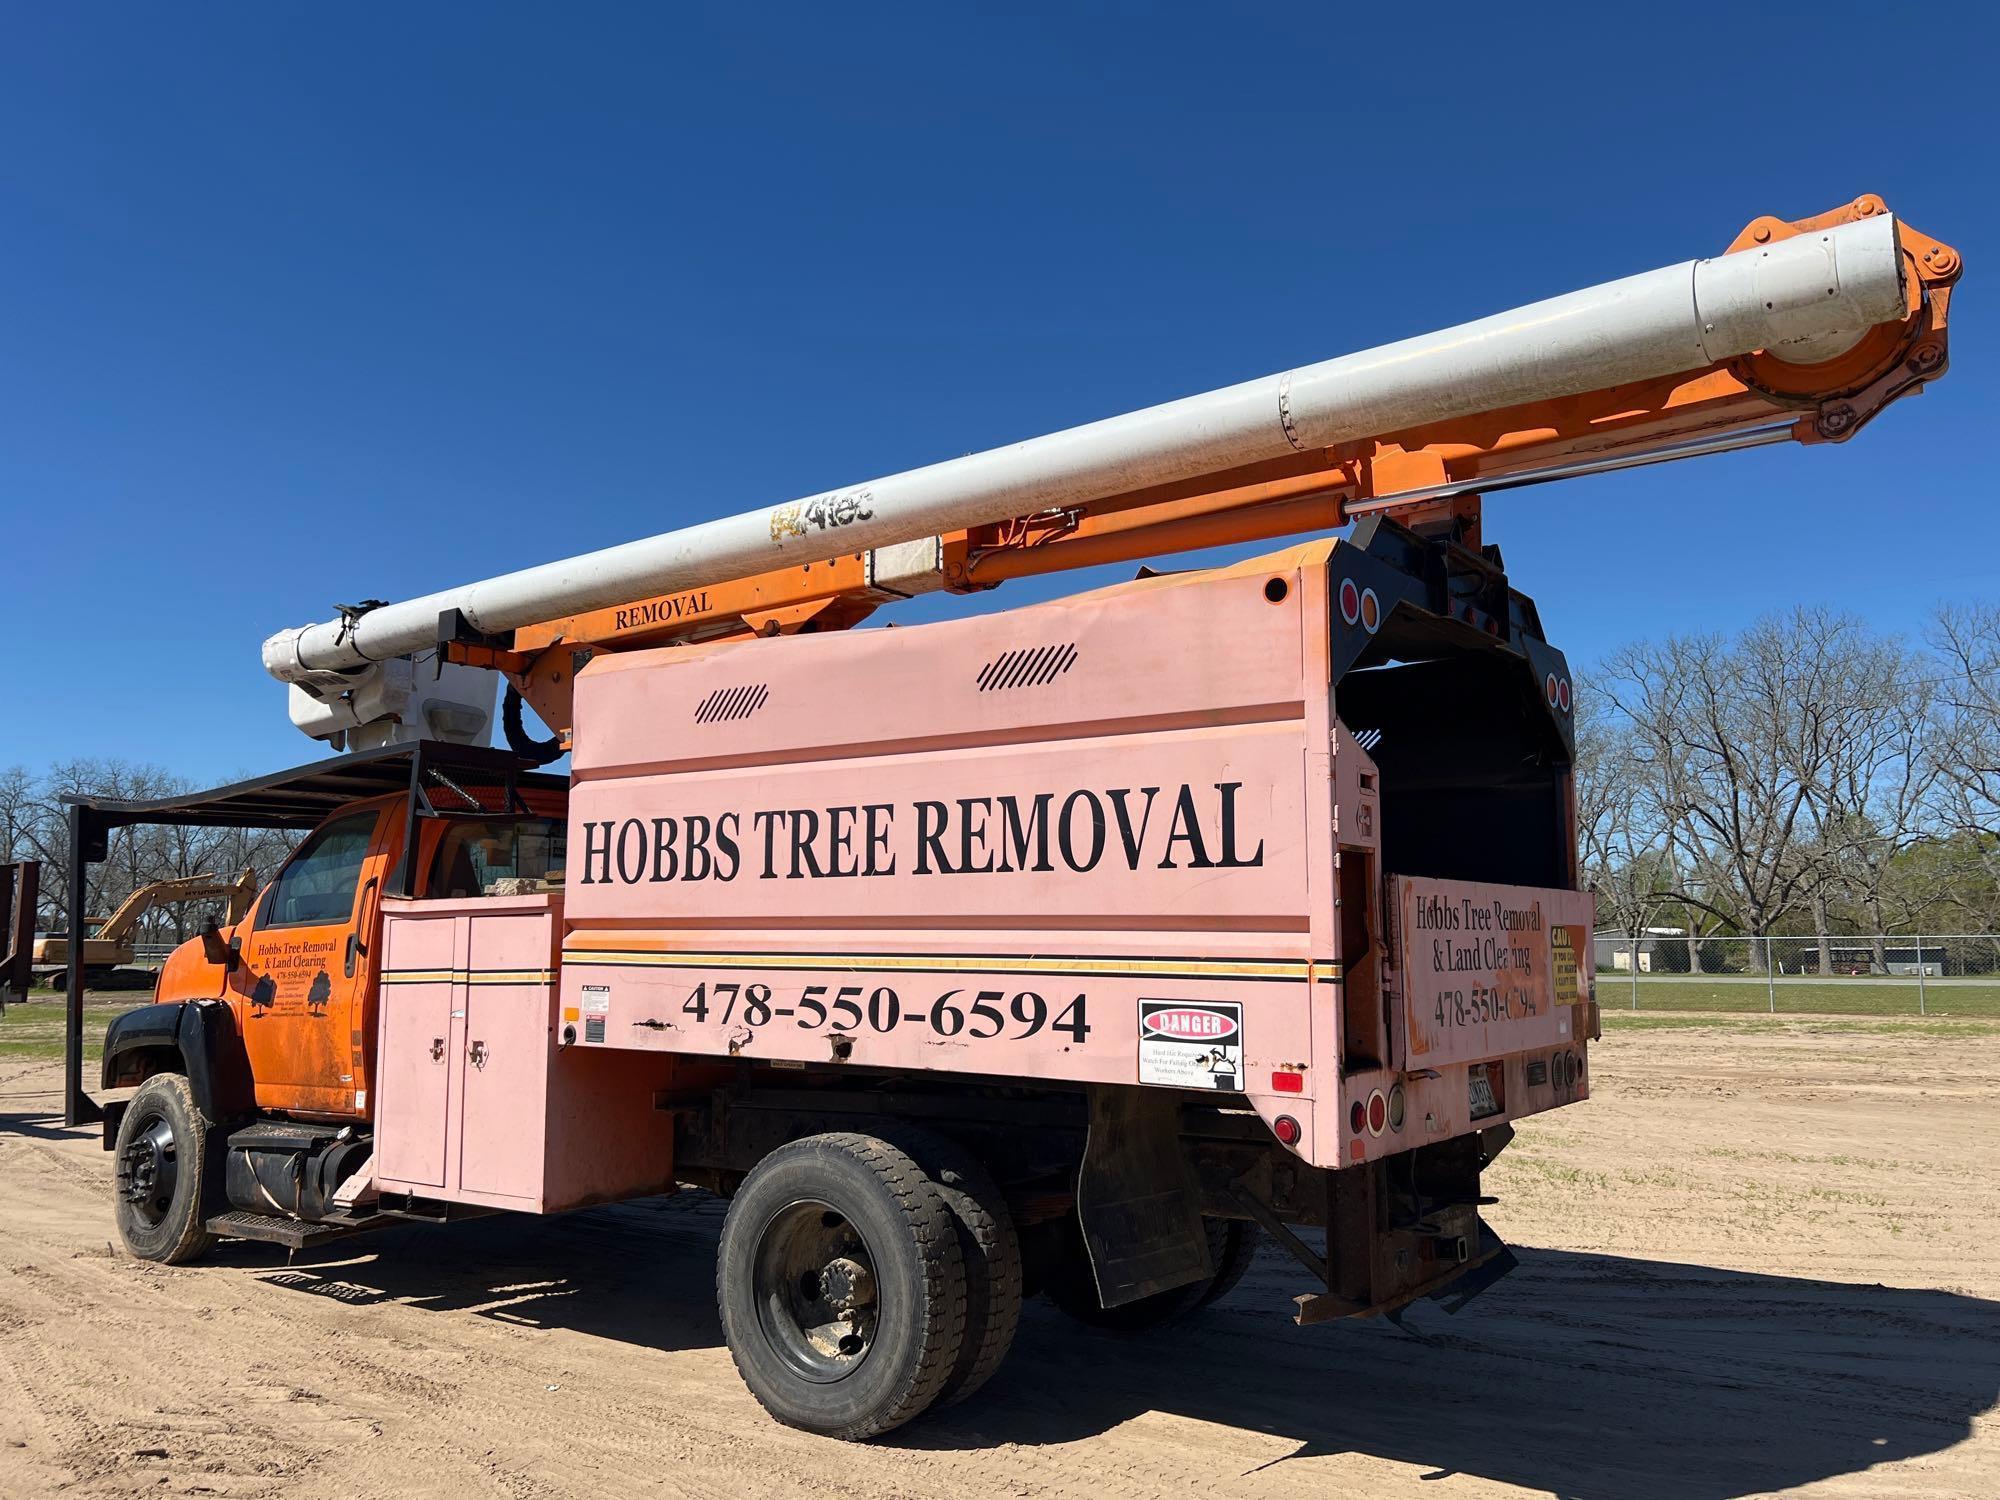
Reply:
x=877 y=839
x=768 y=821
x=1066 y=831
x=632 y=851
x=596 y=855
x=1230 y=859
x=1132 y=841
x=805 y=828
x=1187 y=830
x=1015 y=833
x=840 y=841
x=728 y=858
x=971 y=835
x=930 y=838
x=699 y=861
x=665 y=861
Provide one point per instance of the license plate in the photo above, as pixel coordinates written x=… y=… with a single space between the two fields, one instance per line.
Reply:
x=1481 y=1087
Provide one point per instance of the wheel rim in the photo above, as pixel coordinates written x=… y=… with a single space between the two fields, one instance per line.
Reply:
x=148 y=1170
x=814 y=1281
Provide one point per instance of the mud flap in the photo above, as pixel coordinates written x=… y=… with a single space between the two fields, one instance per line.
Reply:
x=1136 y=1199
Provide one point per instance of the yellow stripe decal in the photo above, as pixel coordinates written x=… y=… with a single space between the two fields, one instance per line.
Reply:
x=1293 y=970
x=468 y=976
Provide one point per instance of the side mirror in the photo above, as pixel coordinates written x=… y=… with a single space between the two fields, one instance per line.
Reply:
x=215 y=950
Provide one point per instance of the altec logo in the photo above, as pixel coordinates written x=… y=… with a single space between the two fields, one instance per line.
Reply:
x=1191 y=1023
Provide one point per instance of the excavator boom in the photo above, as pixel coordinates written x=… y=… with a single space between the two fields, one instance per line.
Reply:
x=109 y=943
x=1801 y=331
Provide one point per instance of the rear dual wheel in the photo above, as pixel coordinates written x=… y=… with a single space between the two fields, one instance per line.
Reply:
x=862 y=1280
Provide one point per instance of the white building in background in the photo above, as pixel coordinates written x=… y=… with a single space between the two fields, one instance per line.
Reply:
x=1614 y=950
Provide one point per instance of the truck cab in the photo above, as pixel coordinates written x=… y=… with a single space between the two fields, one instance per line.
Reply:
x=298 y=977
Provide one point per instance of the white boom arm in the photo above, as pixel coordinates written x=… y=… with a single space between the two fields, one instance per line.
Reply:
x=1807 y=299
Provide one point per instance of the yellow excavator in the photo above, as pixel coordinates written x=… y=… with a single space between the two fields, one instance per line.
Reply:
x=108 y=950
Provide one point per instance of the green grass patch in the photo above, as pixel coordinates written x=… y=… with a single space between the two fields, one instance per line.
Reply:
x=1822 y=1025
x=1819 y=997
x=35 y=1030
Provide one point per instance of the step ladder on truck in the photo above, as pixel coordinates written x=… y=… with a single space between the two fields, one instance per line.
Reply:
x=1066 y=949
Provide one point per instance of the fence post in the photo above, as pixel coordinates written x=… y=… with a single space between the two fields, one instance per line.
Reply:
x=1770 y=974
x=1632 y=943
x=1922 y=1008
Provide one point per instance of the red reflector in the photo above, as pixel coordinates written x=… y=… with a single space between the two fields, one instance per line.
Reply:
x=1286 y=1129
x=1356 y=1119
x=1288 y=1083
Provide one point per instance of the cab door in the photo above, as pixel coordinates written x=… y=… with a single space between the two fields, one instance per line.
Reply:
x=308 y=966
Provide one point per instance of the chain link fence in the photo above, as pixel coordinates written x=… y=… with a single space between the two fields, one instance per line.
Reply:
x=1941 y=974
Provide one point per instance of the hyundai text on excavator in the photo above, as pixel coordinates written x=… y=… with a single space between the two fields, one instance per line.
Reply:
x=1069 y=948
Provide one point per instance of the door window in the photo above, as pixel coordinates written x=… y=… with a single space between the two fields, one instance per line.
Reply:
x=317 y=888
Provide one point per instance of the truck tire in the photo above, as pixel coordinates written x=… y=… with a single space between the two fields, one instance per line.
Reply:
x=991 y=1251
x=165 y=1173
x=1232 y=1260
x=841 y=1286
x=1073 y=1287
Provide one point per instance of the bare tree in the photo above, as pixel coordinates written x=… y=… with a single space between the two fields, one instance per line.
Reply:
x=1621 y=839
x=1868 y=767
x=1967 y=641
x=1735 y=739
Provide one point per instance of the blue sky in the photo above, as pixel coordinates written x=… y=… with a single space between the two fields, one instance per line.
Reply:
x=310 y=304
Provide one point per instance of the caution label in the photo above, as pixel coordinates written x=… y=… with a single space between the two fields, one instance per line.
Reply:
x=1563 y=945
x=1191 y=1044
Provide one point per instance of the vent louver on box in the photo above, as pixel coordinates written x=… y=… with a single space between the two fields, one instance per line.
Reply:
x=732 y=703
x=1028 y=667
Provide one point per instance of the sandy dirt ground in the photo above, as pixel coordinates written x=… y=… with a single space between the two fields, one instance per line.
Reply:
x=1762 y=1260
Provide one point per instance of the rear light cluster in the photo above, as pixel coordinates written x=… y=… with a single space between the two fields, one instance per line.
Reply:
x=1556 y=689
x=1379 y=1112
x=1359 y=606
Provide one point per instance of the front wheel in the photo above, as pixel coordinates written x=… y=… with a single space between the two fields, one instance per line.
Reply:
x=841 y=1286
x=164 y=1173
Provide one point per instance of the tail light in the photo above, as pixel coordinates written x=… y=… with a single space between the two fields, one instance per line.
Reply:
x=1287 y=1130
x=1378 y=1112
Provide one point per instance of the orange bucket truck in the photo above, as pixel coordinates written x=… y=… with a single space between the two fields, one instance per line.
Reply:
x=1072 y=949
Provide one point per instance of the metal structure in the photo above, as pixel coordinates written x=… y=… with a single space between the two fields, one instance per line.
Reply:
x=1095 y=935
x=18 y=922
x=1802 y=331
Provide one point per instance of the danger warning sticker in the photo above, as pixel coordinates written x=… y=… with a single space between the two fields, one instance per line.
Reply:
x=1191 y=1044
